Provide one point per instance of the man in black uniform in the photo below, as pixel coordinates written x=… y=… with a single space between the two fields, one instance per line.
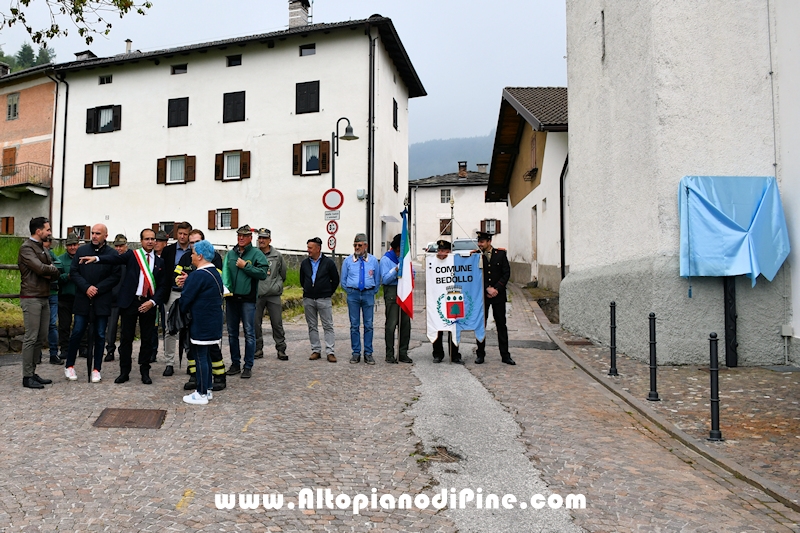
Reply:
x=443 y=248
x=496 y=272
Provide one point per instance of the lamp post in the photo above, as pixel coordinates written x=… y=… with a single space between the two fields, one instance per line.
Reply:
x=348 y=136
x=452 y=206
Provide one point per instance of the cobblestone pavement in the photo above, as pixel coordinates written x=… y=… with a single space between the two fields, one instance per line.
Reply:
x=759 y=409
x=313 y=424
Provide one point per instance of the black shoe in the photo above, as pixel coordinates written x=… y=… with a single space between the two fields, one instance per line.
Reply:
x=146 y=379
x=191 y=384
x=233 y=370
x=30 y=383
x=479 y=360
x=82 y=353
x=355 y=359
x=122 y=378
x=168 y=371
x=508 y=360
x=259 y=354
x=247 y=373
x=438 y=359
x=109 y=357
x=282 y=356
x=41 y=380
x=54 y=360
x=405 y=359
x=457 y=361
x=153 y=358
x=220 y=382
x=391 y=360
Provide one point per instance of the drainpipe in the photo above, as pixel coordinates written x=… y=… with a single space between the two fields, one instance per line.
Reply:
x=63 y=78
x=561 y=217
x=53 y=149
x=371 y=140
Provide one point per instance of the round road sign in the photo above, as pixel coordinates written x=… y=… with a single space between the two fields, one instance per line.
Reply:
x=332 y=242
x=332 y=199
x=332 y=227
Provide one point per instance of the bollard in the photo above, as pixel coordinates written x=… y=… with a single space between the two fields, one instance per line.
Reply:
x=613 y=370
x=653 y=394
x=715 y=434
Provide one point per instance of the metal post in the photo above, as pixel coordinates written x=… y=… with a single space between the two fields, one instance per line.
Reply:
x=653 y=394
x=715 y=434
x=729 y=297
x=613 y=370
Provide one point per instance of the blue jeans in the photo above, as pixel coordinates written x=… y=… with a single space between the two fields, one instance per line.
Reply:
x=358 y=303
x=78 y=328
x=203 y=361
x=237 y=311
x=52 y=332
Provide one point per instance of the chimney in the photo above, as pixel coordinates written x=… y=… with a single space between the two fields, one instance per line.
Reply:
x=128 y=44
x=4 y=69
x=298 y=13
x=462 y=169
x=482 y=167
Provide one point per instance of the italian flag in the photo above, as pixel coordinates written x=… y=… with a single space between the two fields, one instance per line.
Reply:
x=405 y=281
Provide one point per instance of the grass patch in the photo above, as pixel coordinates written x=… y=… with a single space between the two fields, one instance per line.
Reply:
x=10 y=315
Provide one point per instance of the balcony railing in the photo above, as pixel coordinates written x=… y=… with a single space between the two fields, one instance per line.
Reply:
x=26 y=174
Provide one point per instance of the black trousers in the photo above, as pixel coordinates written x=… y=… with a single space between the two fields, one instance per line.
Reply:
x=438 y=348
x=147 y=322
x=65 y=305
x=498 y=305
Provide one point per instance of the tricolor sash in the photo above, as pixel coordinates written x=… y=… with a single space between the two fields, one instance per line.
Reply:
x=149 y=281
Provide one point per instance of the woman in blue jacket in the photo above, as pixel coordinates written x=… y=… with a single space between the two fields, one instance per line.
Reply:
x=202 y=297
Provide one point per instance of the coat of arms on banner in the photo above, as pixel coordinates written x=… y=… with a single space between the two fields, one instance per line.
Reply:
x=454 y=295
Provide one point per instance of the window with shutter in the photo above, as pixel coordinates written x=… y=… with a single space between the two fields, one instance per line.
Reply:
x=102 y=175
x=396 y=178
x=233 y=168
x=7 y=226
x=178 y=112
x=445 y=196
x=307 y=98
x=311 y=157
x=234 y=61
x=176 y=169
x=104 y=119
x=394 y=113
x=233 y=107
x=223 y=218
x=12 y=106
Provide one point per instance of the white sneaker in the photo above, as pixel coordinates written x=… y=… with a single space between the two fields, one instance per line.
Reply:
x=196 y=398
x=70 y=373
x=210 y=395
x=95 y=376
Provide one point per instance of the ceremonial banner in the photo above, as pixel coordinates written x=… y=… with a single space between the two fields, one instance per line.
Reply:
x=454 y=295
x=405 y=279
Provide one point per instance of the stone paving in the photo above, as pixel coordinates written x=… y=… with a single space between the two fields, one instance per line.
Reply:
x=313 y=424
x=759 y=408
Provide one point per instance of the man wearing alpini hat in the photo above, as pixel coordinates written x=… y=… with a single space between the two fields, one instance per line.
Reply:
x=244 y=266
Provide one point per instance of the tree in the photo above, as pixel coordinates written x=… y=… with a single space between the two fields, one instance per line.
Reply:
x=8 y=60
x=45 y=55
x=88 y=16
x=25 y=57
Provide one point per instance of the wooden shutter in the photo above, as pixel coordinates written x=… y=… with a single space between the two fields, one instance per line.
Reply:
x=91 y=120
x=219 y=167
x=116 y=117
x=155 y=226
x=497 y=227
x=88 y=176
x=10 y=225
x=87 y=233
x=444 y=226
x=113 y=179
x=234 y=218
x=301 y=99
x=313 y=96
x=188 y=174
x=297 y=163
x=70 y=231
x=244 y=165
x=161 y=170
x=212 y=219
x=324 y=156
x=233 y=107
x=483 y=226
x=9 y=159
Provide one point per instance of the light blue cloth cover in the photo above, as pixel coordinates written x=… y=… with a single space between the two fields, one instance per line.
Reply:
x=472 y=288
x=731 y=225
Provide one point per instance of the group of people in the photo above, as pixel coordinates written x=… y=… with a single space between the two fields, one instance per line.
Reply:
x=94 y=285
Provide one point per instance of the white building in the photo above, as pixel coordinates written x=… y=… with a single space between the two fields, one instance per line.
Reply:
x=529 y=171
x=658 y=91
x=239 y=132
x=430 y=208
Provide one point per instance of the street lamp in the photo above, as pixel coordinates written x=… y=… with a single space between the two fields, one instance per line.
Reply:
x=348 y=136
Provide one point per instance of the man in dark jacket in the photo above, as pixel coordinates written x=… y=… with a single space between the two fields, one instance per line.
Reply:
x=144 y=287
x=121 y=246
x=496 y=273
x=172 y=255
x=36 y=272
x=319 y=278
x=93 y=285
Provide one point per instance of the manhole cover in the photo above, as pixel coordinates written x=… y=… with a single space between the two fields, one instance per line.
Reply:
x=130 y=418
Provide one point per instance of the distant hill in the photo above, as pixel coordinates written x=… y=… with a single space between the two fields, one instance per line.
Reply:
x=441 y=156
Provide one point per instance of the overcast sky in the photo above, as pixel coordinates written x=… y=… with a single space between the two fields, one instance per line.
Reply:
x=464 y=52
